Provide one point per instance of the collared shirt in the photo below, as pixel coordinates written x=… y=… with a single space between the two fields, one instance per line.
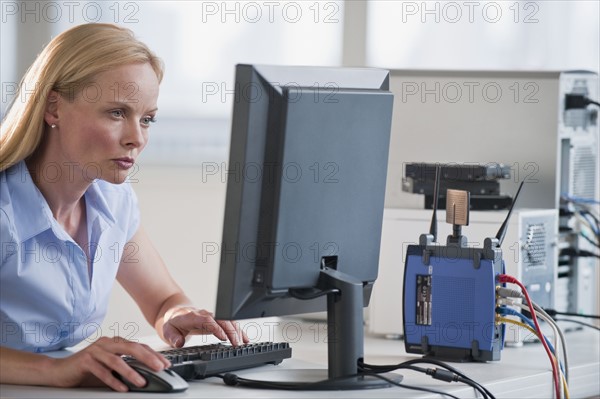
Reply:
x=49 y=298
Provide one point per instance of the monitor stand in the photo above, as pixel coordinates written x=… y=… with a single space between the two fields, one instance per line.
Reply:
x=345 y=341
x=345 y=333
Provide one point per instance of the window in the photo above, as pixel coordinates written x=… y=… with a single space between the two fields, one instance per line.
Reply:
x=200 y=43
x=488 y=35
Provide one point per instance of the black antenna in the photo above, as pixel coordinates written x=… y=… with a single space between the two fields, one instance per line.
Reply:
x=502 y=231
x=436 y=189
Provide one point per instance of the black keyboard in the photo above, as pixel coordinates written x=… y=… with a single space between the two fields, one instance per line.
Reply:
x=203 y=361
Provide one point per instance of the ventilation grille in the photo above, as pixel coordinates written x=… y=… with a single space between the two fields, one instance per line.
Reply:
x=534 y=248
x=584 y=172
x=454 y=303
x=577 y=118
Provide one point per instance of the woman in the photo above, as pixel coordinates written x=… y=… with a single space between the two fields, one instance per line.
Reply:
x=69 y=225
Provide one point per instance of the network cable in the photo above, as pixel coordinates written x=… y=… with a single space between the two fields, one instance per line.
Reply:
x=579 y=322
x=554 y=312
x=504 y=311
x=529 y=328
x=558 y=334
x=505 y=278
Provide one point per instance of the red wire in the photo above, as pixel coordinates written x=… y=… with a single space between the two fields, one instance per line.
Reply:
x=505 y=278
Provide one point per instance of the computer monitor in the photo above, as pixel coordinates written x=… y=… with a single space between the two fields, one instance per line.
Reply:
x=305 y=195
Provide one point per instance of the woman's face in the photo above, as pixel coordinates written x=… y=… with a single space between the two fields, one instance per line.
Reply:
x=103 y=130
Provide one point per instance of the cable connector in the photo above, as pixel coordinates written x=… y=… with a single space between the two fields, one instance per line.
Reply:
x=443 y=375
x=505 y=292
x=506 y=302
x=577 y=101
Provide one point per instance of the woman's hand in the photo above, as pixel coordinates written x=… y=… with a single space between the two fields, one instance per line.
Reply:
x=95 y=364
x=183 y=321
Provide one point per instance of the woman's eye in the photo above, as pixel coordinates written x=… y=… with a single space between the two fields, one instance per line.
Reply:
x=117 y=113
x=147 y=120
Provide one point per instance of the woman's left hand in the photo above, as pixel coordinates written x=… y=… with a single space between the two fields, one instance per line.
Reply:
x=183 y=321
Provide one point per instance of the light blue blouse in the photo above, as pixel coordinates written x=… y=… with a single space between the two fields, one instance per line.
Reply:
x=48 y=298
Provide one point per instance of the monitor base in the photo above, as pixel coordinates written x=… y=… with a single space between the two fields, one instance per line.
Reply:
x=316 y=379
x=361 y=382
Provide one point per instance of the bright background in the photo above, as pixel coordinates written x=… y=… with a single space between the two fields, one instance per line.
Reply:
x=201 y=41
x=182 y=205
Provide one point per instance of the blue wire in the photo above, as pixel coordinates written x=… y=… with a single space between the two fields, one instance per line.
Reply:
x=592 y=222
x=581 y=200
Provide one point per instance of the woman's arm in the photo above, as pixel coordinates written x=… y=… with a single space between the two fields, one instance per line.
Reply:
x=92 y=366
x=145 y=277
x=25 y=368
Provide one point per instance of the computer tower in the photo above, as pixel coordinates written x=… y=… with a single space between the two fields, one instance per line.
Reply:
x=578 y=161
x=518 y=118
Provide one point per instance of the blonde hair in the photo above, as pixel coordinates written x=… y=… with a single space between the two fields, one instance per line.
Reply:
x=66 y=65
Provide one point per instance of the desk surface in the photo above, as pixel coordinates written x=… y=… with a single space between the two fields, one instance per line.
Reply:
x=523 y=371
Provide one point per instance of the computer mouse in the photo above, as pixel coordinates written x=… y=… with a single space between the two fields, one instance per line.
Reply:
x=156 y=381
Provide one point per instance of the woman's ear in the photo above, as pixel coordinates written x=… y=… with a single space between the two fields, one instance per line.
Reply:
x=52 y=104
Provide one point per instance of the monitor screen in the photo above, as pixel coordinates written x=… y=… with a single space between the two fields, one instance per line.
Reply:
x=305 y=193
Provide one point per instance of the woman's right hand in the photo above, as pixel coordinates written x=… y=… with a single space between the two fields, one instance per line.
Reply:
x=94 y=365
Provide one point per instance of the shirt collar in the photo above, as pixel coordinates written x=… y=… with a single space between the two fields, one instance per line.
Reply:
x=33 y=211
x=96 y=201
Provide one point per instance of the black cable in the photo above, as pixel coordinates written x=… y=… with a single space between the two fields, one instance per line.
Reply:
x=415 y=388
x=578 y=101
x=587 y=254
x=578 y=253
x=553 y=312
x=438 y=363
x=366 y=369
x=479 y=388
x=579 y=322
x=588 y=239
x=311 y=294
x=388 y=368
x=235 y=380
x=438 y=374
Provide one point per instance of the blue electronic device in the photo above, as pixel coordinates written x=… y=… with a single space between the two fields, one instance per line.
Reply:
x=450 y=290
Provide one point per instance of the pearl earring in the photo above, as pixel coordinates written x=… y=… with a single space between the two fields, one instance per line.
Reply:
x=53 y=126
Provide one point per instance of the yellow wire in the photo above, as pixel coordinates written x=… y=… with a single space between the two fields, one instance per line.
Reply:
x=566 y=387
x=518 y=323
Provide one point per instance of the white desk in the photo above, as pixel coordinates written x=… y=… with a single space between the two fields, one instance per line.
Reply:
x=523 y=372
